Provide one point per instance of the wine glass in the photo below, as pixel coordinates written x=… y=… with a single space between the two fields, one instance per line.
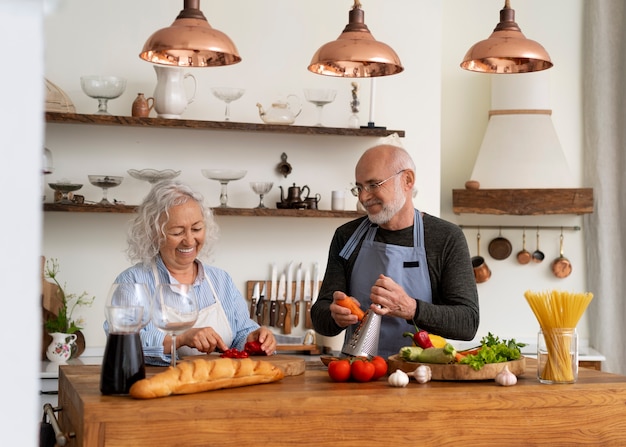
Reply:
x=65 y=188
x=103 y=88
x=261 y=188
x=174 y=310
x=223 y=176
x=320 y=97
x=228 y=95
x=127 y=310
x=105 y=182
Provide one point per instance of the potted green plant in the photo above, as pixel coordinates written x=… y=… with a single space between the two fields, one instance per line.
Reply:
x=63 y=322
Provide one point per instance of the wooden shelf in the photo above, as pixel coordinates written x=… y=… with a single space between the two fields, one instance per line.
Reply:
x=111 y=120
x=248 y=212
x=523 y=202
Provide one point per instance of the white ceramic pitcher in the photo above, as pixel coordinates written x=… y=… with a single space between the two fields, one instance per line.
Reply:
x=170 y=97
x=60 y=350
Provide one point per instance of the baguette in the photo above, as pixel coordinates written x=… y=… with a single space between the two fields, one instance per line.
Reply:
x=198 y=375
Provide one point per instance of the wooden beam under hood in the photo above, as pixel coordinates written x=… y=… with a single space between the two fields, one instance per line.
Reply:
x=523 y=202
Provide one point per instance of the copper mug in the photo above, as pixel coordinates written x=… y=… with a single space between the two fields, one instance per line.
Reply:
x=481 y=270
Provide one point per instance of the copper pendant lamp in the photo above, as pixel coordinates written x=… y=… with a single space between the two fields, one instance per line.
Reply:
x=190 y=42
x=507 y=50
x=355 y=53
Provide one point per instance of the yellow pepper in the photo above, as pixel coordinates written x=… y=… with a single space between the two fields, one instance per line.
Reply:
x=437 y=341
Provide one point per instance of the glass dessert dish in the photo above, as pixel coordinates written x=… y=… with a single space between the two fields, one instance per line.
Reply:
x=105 y=182
x=65 y=188
x=153 y=175
x=103 y=88
x=224 y=176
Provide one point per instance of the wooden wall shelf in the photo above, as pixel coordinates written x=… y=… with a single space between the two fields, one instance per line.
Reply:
x=112 y=120
x=523 y=202
x=247 y=212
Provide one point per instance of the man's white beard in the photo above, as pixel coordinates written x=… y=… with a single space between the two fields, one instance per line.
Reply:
x=389 y=210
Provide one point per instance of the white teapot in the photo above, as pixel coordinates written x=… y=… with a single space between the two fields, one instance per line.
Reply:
x=281 y=112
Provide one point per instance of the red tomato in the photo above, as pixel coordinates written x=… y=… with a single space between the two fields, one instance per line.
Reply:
x=339 y=370
x=380 y=367
x=362 y=370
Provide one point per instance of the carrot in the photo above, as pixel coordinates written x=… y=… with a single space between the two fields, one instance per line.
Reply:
x=472 y=351
x=353 y=305
x=458 y=357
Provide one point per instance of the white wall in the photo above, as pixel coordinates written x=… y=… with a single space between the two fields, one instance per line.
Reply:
x=442 y=108
x=276 y=40
x=21 y=128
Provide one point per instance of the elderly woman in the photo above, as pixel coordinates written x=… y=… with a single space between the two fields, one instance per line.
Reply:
x=172 y=230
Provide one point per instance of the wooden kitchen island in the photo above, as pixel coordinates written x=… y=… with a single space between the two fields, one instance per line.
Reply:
x=311 y=410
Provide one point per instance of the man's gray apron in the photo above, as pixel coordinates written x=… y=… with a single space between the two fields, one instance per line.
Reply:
x=405 y=265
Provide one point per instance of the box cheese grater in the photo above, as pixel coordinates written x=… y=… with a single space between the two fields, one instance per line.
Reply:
x=364 y=340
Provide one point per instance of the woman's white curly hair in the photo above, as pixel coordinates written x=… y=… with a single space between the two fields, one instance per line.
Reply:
x=147 y=230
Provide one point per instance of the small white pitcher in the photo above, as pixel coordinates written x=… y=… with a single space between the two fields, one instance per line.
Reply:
x=170 y=97
x=60 y=350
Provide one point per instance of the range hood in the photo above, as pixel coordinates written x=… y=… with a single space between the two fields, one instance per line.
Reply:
x=521 y=168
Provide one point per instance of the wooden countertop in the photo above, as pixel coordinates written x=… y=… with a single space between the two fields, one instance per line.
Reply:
x=311 y=410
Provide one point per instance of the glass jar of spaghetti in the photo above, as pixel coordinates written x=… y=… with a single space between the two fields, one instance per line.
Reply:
x=557 y=355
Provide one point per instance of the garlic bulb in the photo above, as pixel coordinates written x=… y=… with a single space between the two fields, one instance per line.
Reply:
x=506 y=377
x=423 y=374
x=399 y=379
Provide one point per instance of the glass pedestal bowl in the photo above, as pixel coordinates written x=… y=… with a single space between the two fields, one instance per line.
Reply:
x=105 y=182
x=65 y=188
x=103 y=88
x=153 y=176
x=224 y=176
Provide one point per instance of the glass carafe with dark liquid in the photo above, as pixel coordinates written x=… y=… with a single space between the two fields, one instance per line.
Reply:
x=123 y=362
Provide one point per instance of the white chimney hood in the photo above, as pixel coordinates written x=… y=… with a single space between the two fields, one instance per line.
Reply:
x=520 y=148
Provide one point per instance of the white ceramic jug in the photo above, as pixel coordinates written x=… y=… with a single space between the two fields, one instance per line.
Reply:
x=170 y=97
x=60 y=350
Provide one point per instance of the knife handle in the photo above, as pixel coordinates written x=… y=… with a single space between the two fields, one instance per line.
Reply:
x=287 y=319
x=252 y=307
x=266 y=314
x=296 y=313
x=260 y=312
x=307 y=322
x=273 y=313
x=281 y=314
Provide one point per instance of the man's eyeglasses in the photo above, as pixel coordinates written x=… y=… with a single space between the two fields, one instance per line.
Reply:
x=372 y=187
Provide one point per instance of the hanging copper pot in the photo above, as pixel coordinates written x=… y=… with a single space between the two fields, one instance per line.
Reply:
x=524 y=256
x=561 y=267
x=481 y=270
x=500 y=248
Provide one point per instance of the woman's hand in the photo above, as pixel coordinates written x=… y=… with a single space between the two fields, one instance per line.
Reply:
x=342 y=315
x=204 y=339
x=392 y=298
x=264 y=336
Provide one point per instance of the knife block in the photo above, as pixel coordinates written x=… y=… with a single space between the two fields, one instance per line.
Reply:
x=303 y=309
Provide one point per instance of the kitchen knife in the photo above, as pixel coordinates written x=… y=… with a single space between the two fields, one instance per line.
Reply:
x=280 y=322
x=273 y=304
x=261 y=307
x=256 y=293
x=316 y=281
x=307 y=300
x=298 y=297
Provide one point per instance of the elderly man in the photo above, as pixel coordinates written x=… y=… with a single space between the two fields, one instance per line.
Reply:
x=406 y=265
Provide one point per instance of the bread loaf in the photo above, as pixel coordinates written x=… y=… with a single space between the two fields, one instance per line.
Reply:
x=198 y=375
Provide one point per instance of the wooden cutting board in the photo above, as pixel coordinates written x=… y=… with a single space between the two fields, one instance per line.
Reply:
x=291 y=366
x=456 y=371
